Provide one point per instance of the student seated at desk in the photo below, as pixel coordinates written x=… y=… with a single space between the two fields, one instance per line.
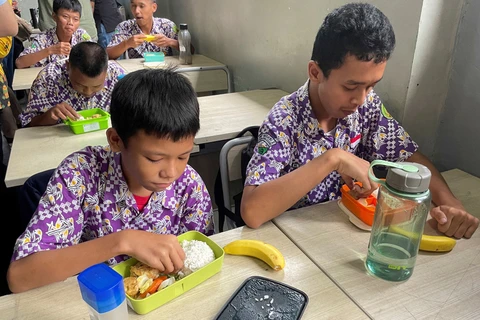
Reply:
x=131 y=35
x=129 y=199
x=335 y=125
x=55 y=44
x=85 y=81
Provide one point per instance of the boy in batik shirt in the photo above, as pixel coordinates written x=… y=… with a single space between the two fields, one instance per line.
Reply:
x=329 y=130
x=55 y=44
x=62 y=88
x=132 y=34
x=129 y=199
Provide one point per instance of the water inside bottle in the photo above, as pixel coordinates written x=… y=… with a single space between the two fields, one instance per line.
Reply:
x=391 y=256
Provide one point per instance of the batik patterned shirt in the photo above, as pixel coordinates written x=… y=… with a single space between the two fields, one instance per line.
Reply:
x=88 y=198
x=291 y=136
x=52 y=86
x=129 y=28
x=48 y=39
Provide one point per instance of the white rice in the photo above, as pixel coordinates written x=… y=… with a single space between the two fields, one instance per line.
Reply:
x=197 y=255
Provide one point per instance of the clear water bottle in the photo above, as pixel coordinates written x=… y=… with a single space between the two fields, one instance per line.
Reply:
x=184 y=44
x=102 y=289
x=402 y=207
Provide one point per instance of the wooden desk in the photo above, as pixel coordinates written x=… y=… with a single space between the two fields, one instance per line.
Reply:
x=205 y=74
x=23 y=78
x=443 y=286
x=221 y=117
x=327 y=301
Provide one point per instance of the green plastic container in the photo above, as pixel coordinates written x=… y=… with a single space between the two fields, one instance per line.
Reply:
x=143 y=306
x=154 y=56
x=89 y=125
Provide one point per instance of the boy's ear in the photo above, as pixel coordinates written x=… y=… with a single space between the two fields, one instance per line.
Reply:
x=114 y=140
x=315 y=74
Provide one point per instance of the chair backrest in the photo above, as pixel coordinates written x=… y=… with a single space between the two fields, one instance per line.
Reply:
x=221 y=188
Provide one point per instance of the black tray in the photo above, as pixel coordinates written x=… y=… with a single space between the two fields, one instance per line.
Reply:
x=262 y=298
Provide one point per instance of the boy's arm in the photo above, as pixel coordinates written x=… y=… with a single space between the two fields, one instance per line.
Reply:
x=45 y=267
x=270 y=199
x=451 y=216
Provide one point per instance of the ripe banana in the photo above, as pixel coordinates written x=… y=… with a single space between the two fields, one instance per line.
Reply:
x=430 y=243
x=437 y=243
x=258 y=249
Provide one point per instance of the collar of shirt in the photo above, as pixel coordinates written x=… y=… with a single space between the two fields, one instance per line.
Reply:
x=309 y=122
x=122 y=193
x=156 y=24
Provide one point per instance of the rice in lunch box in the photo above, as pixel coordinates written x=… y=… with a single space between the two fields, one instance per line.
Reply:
x=197 y=255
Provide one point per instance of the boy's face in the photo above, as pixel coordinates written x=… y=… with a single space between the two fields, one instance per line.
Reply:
x=85 y=85
x=143 y=11
x=68 y=21
x=346 y=88
x=151 y=164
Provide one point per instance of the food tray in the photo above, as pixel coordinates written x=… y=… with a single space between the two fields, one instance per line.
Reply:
x=143 y=306
x=89 y=125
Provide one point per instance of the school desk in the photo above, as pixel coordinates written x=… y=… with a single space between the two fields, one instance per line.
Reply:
x=442 y=286
x=222 y=117
x=326 y=301
x=205 y=74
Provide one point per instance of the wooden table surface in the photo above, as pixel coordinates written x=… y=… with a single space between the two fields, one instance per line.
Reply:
x=203 y=81
x=327 y=301
x=221 y=117
x=443 y=285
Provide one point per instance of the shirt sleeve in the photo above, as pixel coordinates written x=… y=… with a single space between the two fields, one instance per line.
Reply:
x=38 y=43
x=41 y=97
x=171 y=31
x=274 y=148
x=120 y=34
x=84 y=36
x=58 y=221
x=383 y=138
x=197 y=213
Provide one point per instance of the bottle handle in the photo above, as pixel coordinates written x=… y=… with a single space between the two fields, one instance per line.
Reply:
x=399 y=165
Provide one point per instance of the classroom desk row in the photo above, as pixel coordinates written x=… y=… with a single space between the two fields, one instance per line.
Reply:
x=325 y=257
x=443 y=285
x=222 y=117
x=205 y=74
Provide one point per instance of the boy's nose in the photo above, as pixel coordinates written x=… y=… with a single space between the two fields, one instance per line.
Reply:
x=359 y=98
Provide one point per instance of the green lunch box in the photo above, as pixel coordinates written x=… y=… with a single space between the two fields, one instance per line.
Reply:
x=143 y=306
x=89 y=125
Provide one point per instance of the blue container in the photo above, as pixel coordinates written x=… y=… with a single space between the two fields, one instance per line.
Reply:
x=102 y=288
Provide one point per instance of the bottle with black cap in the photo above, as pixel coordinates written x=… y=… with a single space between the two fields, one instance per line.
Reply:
x=184 y=43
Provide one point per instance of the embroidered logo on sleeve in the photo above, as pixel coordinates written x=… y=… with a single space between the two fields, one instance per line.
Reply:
x=265 y=142
x=385 y=112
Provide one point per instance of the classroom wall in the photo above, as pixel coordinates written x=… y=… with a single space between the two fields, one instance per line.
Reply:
x=457 y=145
x=268 y=44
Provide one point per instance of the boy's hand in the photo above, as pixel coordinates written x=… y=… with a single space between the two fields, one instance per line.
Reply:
x=454 y=221
x=353 y=168
x=62 y=48
x=159 y=251
x=61 y=111
x=136 y=40
x=161 y=40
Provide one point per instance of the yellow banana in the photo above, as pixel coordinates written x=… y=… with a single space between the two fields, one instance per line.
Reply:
x=428 y=242
x=437 y=243
x=258 y=249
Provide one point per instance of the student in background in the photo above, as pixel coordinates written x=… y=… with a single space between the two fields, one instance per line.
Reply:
x=55 y=44
x=331 y=128
x=131 y=35
x=85 y=81
x=129 y=199
x=46 y=21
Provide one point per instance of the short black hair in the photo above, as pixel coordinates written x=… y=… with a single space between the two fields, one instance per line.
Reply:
x=71 y=5
x=358 y=29
x=89 y=58
x=161 y=102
